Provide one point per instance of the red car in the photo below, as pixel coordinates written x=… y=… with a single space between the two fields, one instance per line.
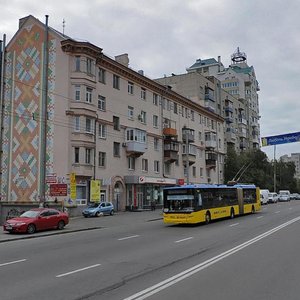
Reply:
x=37 y=219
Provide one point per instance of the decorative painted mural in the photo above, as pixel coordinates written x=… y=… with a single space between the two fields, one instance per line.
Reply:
x=23 y=121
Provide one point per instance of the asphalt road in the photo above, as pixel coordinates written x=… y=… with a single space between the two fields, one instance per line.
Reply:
x=249 y=257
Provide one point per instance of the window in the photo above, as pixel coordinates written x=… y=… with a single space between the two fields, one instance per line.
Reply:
x=89 y=66
x=77 y=63
x=167 y=167
x=77 y=92
x=155 y=99
x=130 y=88
x=76 y=155
x=194 y=171
x=155 y=121
x=101 y=102
x=192 y=115
x=136 y=135
x=201 y=172
x=102 y=131
x=101 y=159
x=145 y=165
x=156 y=166
x=131 y=163
x=116 y=121
x=88 y=156
x=143 y=93
x=102 y=75
x=77 y=123
x=156 y=144
x=88 y=125
x=116 y=82
x=116 y=149
x=130 y=112
x=175 y=108
x=143 y=117
x=88 y=94
x=169 y=105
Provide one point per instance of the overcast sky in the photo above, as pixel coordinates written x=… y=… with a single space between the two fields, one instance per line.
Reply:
x=167 y=36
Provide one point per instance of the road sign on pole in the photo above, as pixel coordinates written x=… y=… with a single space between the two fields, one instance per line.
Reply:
x=280 y=139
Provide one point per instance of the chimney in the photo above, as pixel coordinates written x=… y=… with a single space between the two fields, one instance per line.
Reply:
x=141 y=72
x=122 y=59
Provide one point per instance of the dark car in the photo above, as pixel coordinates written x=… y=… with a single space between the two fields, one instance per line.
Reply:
x=98 y=209
x=37 y=219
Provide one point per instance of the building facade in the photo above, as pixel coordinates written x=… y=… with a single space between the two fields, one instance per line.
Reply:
x=295 y=158
x=73 y=115
x=229 y=92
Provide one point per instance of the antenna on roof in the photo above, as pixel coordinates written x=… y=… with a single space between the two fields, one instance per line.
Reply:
x=63 y=25
x=239 y=173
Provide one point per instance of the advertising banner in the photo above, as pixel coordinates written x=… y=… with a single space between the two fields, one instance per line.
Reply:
x=73 y=186
x=59 y=189
x=95 y=190
x=281 y=139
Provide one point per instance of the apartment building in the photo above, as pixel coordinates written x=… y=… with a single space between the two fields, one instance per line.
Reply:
x=103 y=121
x=229 y=92
x=295 y=158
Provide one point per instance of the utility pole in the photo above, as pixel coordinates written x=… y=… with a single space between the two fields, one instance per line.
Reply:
x=274 y=168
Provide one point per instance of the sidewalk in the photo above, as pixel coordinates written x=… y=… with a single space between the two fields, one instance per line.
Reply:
x=81 y=224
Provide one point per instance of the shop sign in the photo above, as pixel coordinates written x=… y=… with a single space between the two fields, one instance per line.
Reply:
x=59 y=189
x=180 y=181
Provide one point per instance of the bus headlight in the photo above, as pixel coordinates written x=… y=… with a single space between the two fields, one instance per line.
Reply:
x=166 y=210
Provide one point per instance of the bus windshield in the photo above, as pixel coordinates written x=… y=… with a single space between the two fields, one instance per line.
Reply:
x=182 y=200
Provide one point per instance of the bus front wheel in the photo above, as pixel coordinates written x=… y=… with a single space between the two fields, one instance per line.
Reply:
x=231 y=213
x=207 y=218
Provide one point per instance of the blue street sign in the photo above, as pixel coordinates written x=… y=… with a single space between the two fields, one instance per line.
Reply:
x=281 y=139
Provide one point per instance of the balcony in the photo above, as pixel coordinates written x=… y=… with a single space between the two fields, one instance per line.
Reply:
x=210 y=144
x=188 y=135
x=211 y=159
x=135 y=149
x=228 y=109
x=242 y=120
x=87 y=138
x=243 y=145
x=229 y=119
x=171 y=149
x=86 y=170
x=191 y=159
x=230 y=137
x=170 y=132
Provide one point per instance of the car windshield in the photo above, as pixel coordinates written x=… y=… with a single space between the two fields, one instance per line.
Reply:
x=29 y=214
x=93 y=205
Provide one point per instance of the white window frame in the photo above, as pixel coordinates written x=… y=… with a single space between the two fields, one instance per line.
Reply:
x=77 y=123
x=101 y=102
x=101 y=159
x=130 y=112
x=88 y=94
x=102 y=131
x=156 y=166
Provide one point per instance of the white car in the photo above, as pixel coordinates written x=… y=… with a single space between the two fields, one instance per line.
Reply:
x=273 y=197
x=284 y=195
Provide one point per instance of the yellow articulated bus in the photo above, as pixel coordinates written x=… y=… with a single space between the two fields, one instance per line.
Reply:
x=191 y=204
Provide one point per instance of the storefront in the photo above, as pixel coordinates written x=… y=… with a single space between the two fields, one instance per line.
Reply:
x=143 y=190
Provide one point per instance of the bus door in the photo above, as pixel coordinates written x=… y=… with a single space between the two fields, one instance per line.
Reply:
x=240 y=201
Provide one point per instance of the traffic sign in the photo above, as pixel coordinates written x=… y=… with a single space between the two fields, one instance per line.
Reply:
x=280 y=139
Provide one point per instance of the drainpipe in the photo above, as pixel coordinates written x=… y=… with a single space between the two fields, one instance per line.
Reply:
x=2 y=56
x=44 y=115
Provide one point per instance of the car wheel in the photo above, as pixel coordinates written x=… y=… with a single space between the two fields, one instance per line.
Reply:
x=253 y=210
x=98 y=214
x=31 y=228
x=111 y=212
x=60 y=225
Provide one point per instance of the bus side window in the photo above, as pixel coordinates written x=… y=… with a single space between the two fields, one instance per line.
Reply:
x=199 y=200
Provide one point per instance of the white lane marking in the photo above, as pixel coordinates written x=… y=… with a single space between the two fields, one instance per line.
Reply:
x=277 y=212
x=13 y=262
x=78 y=270
x=259 y=217
x=197 y=268
x=234 y=224
x=128 y=237
x=183 y=240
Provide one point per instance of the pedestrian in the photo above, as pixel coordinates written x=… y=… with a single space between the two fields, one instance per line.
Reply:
x=153 y=204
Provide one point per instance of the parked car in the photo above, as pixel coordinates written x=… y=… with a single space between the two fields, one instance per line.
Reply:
x=284 y=195
x=295 y=196
x=98 y=209
x=37 y=219
x=273 y=197
x=264 y=196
